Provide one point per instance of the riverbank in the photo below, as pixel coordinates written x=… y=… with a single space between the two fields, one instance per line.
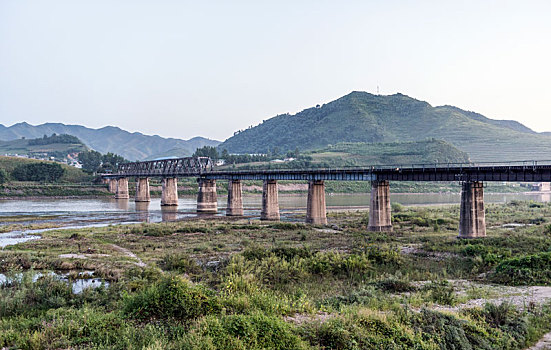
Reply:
x=26 y=190
x=247 y=284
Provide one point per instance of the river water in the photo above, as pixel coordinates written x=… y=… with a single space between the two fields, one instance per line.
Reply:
x=104 y=211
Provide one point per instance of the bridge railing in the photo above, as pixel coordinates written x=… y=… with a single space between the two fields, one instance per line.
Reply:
x=196 y=166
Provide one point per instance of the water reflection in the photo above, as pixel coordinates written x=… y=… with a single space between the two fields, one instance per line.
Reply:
x=122 y=204
x=142 y=210
x=85 y=280
x=169 y=212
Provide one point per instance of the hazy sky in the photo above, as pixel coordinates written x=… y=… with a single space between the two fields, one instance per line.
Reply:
x=188 y=68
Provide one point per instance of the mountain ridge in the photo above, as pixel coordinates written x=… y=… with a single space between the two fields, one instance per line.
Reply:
x=131 y=145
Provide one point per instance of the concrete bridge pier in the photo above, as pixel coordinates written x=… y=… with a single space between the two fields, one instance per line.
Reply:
x=206 y=198
x=235 y=198
x=316 y=212
x=122 y=188
x=142 y=190
x=112 y=185
x=169 y=194
x=472 y=219
x=379 y=211
x=270 y=201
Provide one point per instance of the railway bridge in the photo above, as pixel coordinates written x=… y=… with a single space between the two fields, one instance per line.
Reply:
x=471 y=176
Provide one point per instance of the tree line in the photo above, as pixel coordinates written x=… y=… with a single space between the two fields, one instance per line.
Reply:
x=41 y=172
x=48 y=140
x=95 y=162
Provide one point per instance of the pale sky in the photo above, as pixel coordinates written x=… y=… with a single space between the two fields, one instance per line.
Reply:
x=207 y=68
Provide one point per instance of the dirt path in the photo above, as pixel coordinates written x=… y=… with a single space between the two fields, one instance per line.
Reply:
x=543 y=344
x=128 y=253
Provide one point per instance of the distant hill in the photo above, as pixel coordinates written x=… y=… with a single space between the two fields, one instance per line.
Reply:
x=364 y=117
x=57 y=146
x=132 y=146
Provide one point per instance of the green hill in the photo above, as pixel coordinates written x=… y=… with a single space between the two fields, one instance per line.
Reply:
x=363 y=117
x=51 y=146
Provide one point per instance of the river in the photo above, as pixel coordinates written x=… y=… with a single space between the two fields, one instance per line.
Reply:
x=87 y=212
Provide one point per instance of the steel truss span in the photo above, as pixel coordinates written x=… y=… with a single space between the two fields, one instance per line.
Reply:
x=525 y=171
x=177 y=167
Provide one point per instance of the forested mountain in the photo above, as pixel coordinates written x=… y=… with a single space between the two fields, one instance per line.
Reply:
x=132 y=146
x=363 y=117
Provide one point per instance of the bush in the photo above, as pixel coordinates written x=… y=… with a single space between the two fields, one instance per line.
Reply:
x=395 y=285
x=181 y=263
x=397 y=207
x=23 y=295
x=528 y=269
x=171 y=297
x=359 y=297
x=441 y=292
x=255 y=331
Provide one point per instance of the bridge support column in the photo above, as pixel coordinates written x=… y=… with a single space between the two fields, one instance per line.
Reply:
x=472 y=220
x=169 y=194
x=270 y=201
x=315 y=208
x=379 y=211
x=206 y=198
x=142 y=190
x=112 y=185
x=122 y=188
x=235 y=198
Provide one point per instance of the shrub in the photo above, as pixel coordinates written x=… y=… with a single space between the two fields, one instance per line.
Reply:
x=171 y=297
x=22 y=295
x=441 y=292
x=384 y=256
x=255 y=331
x=181 y=263
x=360 y=297
x=528 y=269
x=397 y=207
x=395 y=285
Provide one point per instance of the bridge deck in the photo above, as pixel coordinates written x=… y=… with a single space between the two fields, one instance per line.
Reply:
x=526 y=171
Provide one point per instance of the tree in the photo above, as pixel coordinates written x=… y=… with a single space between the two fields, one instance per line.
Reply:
x=111 y=161
x=3 y=176
x=207 y=151
x=91 y=160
